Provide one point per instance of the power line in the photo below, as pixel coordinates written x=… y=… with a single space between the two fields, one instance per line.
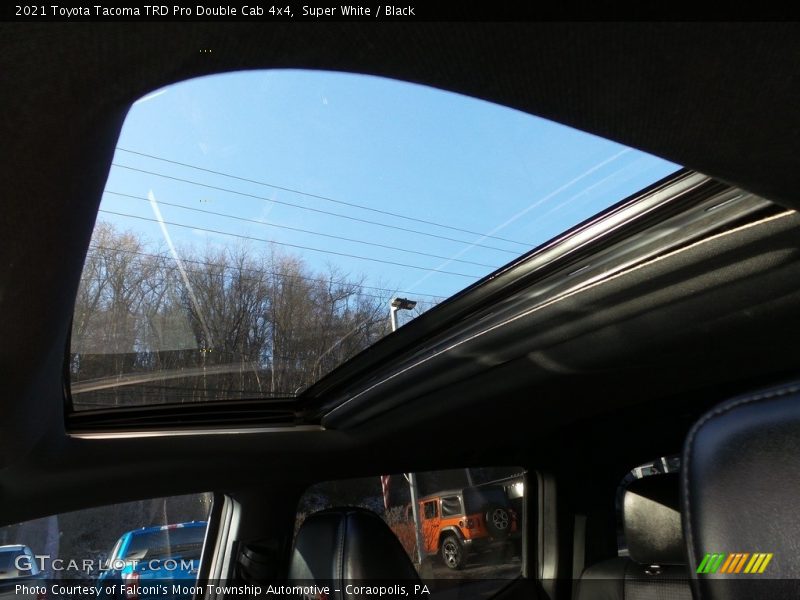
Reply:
x=272 y=273
x=326 y=198
x=359 y=294
x=318 y=210
x=333 y=252
x=327 y=235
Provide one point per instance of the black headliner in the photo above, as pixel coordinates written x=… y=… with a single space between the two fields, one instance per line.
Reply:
x=720 y=98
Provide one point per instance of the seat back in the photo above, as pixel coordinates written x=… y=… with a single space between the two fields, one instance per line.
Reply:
x=656 y=566
x=740 y=491
x=342 y=546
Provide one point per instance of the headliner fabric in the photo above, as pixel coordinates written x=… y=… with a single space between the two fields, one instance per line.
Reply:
x=721 y=98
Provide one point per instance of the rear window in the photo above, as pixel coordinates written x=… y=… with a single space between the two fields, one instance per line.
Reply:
x=179 y=540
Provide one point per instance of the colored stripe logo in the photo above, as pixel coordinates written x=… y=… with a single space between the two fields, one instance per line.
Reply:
x=734 y=563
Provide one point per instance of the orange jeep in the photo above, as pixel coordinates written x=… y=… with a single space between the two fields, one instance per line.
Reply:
x=457 y=523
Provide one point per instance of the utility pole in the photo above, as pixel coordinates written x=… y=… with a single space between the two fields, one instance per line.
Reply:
x=412 y=486
x=406 y=304
x=204 y=351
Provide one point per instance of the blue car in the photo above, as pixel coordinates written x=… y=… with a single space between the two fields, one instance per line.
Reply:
x=18 y=566
x=153 y=562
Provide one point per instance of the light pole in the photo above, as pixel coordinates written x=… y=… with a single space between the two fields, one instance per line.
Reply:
x=399 y=304
x=406 y=304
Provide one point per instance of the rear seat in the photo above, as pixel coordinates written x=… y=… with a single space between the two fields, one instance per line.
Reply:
x=656 y=569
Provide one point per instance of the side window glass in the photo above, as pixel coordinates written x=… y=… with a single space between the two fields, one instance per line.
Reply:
x=451 y=506
x=430 y=510
x=151 y=540
x=478 y=538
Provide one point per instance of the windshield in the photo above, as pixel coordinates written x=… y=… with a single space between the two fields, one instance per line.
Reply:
x=258 y=229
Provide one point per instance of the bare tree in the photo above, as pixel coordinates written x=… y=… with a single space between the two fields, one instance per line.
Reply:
x=219 y=323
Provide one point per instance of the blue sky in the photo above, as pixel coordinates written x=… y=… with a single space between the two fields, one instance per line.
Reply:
x=381 y=144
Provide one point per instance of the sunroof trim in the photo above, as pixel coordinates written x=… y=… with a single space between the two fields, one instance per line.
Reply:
x=661 y=199
x=369 y=395
x=142 y=433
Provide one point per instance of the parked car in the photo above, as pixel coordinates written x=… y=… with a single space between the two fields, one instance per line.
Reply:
x=17 y=565
x=153 y=555
x=461 y=522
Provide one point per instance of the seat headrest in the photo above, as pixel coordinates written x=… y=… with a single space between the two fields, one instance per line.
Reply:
x=739 y=491
x=652 y=520
x=341 y=545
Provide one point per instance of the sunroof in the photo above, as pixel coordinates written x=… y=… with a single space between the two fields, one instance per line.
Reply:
x=257 y=227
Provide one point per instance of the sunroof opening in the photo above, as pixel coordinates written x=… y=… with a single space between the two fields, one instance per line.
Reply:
x=258 y=229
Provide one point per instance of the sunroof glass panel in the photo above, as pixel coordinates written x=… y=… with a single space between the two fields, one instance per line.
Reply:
x=258 y=229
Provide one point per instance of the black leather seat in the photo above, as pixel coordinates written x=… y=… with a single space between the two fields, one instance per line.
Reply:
x=656 y=566
x=342 y=547
x=741 y=494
